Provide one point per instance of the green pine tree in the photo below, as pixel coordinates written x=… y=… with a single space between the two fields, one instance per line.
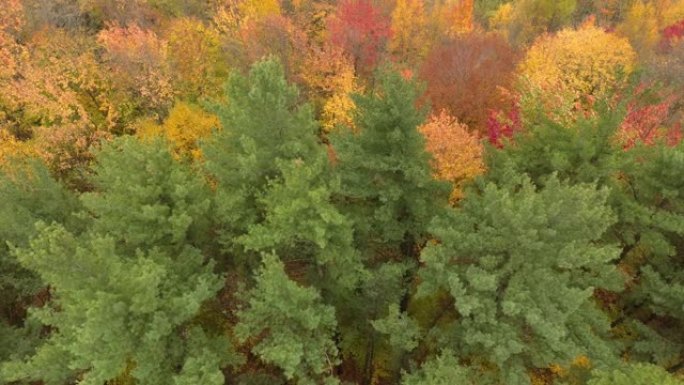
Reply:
x=29 y=194
x=521 y=265
x=645 y=184
x=290 y=325
x=263 y=122
x=124 y=293
x=387 y=187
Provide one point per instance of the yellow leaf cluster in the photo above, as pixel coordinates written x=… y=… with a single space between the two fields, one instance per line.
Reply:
x=576 y=67
x=409 y=42
x=330 y=77
x=10 y=148
x=453 y=17
x=672 y=12
x=194 y=52
x=256 y=9
x=501 y=19
x=339 y=108
x=640 y=26
x=184 y=127
x=456 y=152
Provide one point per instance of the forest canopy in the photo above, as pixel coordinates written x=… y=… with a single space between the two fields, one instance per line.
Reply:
x=371 y=192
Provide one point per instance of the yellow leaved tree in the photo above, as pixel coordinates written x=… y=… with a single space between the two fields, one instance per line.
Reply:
x=452 y=17
x=256 y=9
x=11 y=148
x=185 y=126
x=195 y=57
x=565 y=73
x=328 y=76
x=645 y=20
x=456 y=152
x=409 y=40
x=641 y=27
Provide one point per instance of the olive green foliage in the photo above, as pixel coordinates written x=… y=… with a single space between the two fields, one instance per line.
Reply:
x=443 y=369
x=29 y=194
x=387 y=186
x=637 y=374
x=125 y=290
x=521 y=264
x=298 y=328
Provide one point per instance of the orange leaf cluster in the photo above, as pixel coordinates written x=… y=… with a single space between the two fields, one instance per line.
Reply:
x=456 y=152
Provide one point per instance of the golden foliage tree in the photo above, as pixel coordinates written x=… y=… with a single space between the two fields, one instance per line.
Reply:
x=255 y=9
x=11 y=148
x=566 y=72
x=640 y=26
x=185 y=126
x=195 y=58
x=409 y=41
x=328 y=75
x=456 y=152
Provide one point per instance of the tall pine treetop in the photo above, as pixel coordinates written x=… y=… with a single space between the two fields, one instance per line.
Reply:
x=385 y=170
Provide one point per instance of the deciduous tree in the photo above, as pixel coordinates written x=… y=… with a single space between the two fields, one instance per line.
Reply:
x=465 y=76
x=563 y=74
x=138 y=58
x=361 y=30
x=410 y=35
x=185 y=126
x=196 y=63
x=456 y=152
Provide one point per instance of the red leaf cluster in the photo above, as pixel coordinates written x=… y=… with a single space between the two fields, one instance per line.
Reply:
x=361 y=30
x=466 y=77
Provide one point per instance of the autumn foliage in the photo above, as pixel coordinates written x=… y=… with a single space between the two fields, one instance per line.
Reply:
x=456 y=152
x=468 y=77
x=327 y=192
x=671 y=35
x=565 y=73
x=361 y=30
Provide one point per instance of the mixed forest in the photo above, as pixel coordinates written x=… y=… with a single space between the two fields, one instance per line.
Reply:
x=371 y=192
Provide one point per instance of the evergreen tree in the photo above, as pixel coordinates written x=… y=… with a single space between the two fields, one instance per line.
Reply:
x=637 y=374
x=291 y=326
x=521 y=265
x=388 y=192
x=262 y=122
x=443 y=369
x=29 y=195
x=646 y=194
x=125 y=292
x=274 y=182
x=387 y=186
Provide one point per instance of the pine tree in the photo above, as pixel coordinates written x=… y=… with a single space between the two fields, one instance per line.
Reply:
x=274 y=182
x=126 y=291
x=387 y=186
x=262 y=123
x=443 y=369
x=388 y=192
x=29 y=194
x=290 y=325
x=645 y=193
x=521 y=265
x=638 y=374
